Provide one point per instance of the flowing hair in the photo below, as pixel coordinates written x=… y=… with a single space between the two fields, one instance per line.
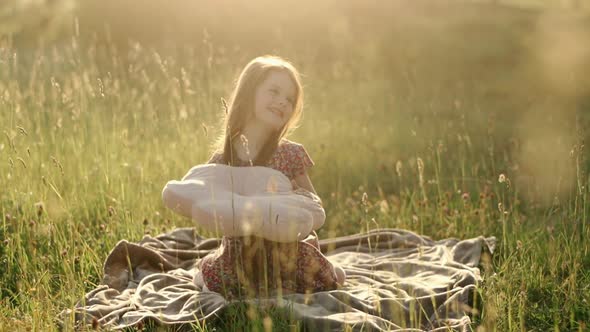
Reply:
x=241 y=107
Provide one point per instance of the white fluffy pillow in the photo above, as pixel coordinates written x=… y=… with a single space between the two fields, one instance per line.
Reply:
x=241 y=201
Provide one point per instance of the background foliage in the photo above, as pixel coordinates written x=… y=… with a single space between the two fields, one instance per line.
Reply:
x=421 y=105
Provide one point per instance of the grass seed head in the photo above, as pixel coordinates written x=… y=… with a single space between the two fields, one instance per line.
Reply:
x=365 y=199
x=40 y=207
x=95 y=324
x=398 y=168
x=225 y=107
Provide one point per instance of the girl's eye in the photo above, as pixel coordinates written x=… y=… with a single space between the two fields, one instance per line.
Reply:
x=273 y=91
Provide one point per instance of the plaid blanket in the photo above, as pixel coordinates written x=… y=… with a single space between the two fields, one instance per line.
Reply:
x=396 y=281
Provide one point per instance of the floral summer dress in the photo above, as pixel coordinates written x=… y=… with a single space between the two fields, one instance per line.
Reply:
x=252 y=266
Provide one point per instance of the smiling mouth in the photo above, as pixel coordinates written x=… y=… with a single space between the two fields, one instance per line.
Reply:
x=277 y=112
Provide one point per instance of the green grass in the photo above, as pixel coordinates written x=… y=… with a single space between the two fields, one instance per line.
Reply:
x=93 y=128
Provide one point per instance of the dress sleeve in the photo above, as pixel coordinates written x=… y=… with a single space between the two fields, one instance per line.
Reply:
x=300 y=160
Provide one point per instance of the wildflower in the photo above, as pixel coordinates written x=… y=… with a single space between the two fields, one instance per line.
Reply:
x=145 y=222
x=465 y=196
x=502 y=178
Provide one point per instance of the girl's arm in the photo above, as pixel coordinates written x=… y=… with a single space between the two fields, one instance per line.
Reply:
x=303 y=181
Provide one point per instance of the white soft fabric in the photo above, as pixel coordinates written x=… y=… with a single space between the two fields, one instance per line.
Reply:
x=241 y=201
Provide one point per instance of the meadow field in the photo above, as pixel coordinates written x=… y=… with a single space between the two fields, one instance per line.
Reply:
x=453 y=119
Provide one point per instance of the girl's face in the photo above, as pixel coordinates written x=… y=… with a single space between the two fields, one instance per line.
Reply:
x=275 y=100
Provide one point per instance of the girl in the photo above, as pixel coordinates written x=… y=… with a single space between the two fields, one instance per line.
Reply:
x=266 y=106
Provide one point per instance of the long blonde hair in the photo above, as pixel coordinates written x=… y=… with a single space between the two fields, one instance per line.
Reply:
x=241 y=107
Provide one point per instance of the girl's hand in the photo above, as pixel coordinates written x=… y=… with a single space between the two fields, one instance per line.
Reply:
x=313 y=239
x=308 y=194
x=307 y=189
x=302 y=181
